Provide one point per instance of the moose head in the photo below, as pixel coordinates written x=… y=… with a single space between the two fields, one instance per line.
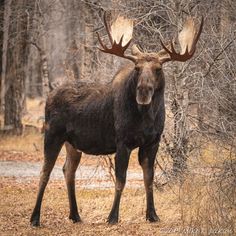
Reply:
x=148 y=66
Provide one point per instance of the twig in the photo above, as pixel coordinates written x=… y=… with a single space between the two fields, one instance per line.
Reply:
x=217 y=56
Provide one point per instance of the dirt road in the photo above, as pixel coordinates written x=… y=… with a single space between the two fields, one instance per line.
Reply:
x=86 y=176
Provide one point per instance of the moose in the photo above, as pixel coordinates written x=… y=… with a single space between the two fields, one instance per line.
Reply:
x=117 y=117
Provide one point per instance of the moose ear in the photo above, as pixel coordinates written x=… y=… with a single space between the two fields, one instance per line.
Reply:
x=135 y=50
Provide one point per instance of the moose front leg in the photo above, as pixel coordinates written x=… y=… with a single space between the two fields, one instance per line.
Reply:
x=121 y=165
x=146 y=158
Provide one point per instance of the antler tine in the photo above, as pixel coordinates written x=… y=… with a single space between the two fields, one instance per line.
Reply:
x=172 y=47
x=116 y=47
x=164 y=46
x=189 y=38
x=101 y=43
x=125 y=46
x=107 y=27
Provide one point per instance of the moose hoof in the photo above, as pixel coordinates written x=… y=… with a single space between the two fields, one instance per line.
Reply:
x=34 y=223
x=152 y=217
x=112 y=220
x=75 y=218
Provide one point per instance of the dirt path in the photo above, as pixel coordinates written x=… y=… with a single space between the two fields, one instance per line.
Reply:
x=88 y=176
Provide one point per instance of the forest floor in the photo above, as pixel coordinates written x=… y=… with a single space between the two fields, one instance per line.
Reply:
x=20 y=165
x=182 y=208
x=192 y=207
x=17 y=201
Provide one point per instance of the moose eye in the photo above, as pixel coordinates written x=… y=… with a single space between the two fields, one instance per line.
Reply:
x=158 y=70
x=137 y=70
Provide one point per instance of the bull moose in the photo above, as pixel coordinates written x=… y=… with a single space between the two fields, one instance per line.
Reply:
x=124 y=114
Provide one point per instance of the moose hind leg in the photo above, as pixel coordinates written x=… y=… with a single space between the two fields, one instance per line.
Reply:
x=146 y=160
x=72 y=161
x=121 y=165
x=52 y=147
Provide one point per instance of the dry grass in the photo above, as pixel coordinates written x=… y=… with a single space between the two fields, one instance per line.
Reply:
x=196 y=207
x=26 y=143
x=215 y=153
x=205 y=208
x=17 y=200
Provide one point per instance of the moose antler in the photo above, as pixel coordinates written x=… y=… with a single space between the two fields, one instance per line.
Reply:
x=188 y=39
x=119 y=39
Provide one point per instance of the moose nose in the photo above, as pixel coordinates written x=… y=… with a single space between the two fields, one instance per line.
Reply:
x=144 y=95
x=144 y=90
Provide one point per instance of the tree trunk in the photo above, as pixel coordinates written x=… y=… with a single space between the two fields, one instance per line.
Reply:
x=179 y=107
x=44 y=74
x=2 y=2
x=6 y=22
x=40 y=79
x=88 y=66
x=32 y=80
x=15 y=67
x=226 y=109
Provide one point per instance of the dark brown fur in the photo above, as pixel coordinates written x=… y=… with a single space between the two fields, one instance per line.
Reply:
x=103 y=119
